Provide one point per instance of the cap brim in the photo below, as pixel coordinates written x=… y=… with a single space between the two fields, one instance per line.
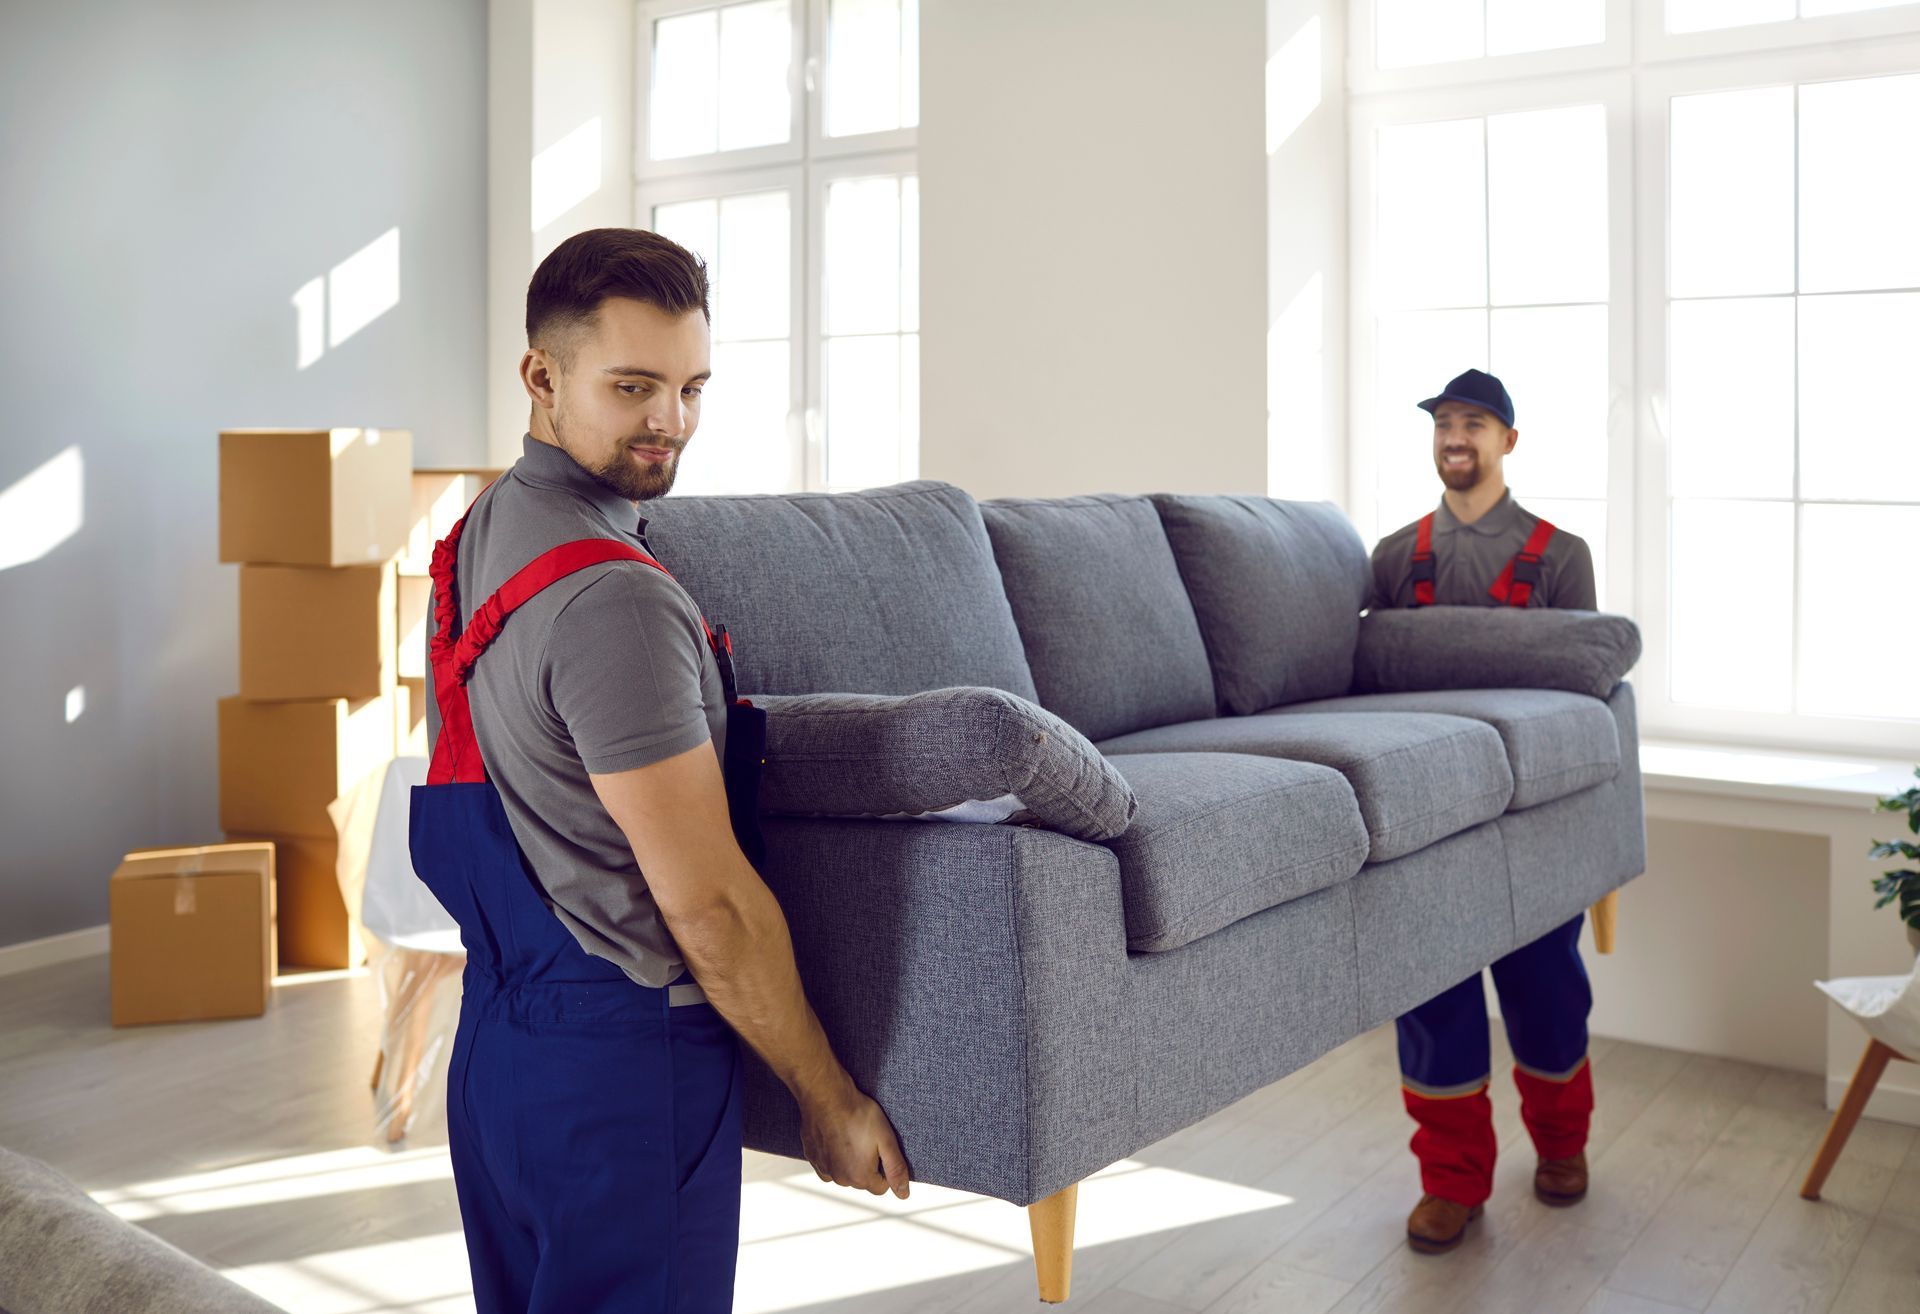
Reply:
x=1430 y=403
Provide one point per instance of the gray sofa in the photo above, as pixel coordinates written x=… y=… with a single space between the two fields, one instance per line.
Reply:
x=1305 y=863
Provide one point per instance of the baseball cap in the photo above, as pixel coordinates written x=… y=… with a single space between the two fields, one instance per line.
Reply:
x=1476 y=388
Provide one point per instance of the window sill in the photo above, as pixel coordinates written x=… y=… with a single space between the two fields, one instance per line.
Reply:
x=1778 y=775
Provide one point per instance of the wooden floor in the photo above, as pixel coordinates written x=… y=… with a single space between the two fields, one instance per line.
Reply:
x=247 y=1143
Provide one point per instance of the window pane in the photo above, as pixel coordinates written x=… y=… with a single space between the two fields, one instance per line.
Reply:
x=910 y=254
x=743 y=444
x=862 y=278
x=752 y=285
x=1417 y=353
x=1856 y=654
x=1432 y=218
x=1409 y=32
x=870 y=43
x=1701 y=15
x=1547 y=205
x=694 y=225
x=1586 y=517
x=684 y=115
x=756 y=47
x=865 y=431
x=1730 y=203
x=1730 y=398
x=1517 y=25
x=1817 y=8
x=1732 y=609
x=1859 y=435
x=1860 y=184
x=1554 y=363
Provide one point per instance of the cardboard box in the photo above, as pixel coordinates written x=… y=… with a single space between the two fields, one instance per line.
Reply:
x=314 y=497
x=413 y=625
x=282 y=763
x=440 y=498
x=413 y=732
x=192 y=933
x=317 y=631
x=316 y=930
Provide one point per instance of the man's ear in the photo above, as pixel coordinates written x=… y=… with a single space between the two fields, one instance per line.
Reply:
x=540 y=376
x=1513 y=436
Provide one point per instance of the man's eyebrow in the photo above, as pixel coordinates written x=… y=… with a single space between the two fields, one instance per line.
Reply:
x=636 y=372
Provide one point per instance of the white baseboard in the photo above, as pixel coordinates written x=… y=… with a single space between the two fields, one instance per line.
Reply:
x=1891 y=1102
x=84 y=943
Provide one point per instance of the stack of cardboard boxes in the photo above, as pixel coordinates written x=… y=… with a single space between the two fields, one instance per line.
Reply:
x=315 y=519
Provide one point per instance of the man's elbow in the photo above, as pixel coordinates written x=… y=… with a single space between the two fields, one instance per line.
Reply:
x=709 y=924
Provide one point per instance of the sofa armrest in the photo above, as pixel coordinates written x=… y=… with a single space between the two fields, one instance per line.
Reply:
x=1409 y=650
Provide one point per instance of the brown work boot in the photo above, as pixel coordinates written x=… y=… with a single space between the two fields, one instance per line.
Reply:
x=1436 y=1226
x=1561 y=1182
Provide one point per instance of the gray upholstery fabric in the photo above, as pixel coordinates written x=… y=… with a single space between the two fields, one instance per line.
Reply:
x=889 y=591
x=1418 y=777
x=1221 y=835
x=1402 y=650
x=1557 y=743
x=1277 y=588
x=1430 y=920
x=873 y=754
x=1564 y=855
x=1109 y=632
x=60 y=1251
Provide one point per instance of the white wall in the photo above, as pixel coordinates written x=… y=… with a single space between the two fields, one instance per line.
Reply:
x=170 y=176
x=1093 y=246
x=1306 y=142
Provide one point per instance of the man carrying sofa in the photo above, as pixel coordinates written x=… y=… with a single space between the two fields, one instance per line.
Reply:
x=1479 y=547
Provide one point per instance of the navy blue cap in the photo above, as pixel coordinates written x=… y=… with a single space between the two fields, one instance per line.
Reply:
x=1476 y=388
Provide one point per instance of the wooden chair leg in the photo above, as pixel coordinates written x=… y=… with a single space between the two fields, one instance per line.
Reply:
x=1606 y=915
x=1865 y=1078
x=1052 y=1222
x=379 y=1065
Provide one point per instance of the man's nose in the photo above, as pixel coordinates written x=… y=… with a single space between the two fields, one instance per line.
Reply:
x=668 y=416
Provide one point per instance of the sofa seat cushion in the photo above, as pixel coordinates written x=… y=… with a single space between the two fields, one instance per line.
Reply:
x=1220 y=836
x=1418 y=777
x=1557 y=743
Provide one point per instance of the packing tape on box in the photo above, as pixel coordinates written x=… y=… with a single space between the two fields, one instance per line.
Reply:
x=191 y=865
x=185 y=897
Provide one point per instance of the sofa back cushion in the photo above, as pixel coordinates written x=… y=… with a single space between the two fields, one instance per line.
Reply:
x=1277 y=588
x=1110 y=635
x=890 y=591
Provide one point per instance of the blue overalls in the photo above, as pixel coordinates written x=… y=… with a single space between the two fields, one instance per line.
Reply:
x=594 y=1125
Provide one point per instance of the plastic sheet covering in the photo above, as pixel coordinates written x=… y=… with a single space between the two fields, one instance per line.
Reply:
x=1887 y=1006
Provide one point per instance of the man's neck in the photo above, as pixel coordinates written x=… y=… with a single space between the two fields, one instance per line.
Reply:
x=1469 y=504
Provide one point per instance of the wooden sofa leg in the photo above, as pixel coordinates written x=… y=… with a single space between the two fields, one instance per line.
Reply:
x=1052 y=1223
x=1865 y=1078
x=1606 y=914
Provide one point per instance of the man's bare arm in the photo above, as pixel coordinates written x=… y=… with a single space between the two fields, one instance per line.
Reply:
x=735 y=940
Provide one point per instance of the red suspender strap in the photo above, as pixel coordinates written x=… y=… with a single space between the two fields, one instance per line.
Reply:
x=1516 y=582
x=1423 y=562
x=456 y=757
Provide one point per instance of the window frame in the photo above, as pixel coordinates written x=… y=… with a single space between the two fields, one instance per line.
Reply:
x=1365 y=77
x=1657 y=45
x=790 y=151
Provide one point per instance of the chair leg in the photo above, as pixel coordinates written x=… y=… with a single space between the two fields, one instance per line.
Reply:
x=1052 y=1222
x=1606 y=915
x=379 y=1065
x=1865 y=1078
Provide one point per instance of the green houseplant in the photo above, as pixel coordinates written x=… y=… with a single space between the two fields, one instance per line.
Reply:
x=1903 y=885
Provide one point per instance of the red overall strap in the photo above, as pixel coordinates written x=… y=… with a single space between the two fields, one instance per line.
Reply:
x=456 y=757
x=1423 y=562
x=1515 y=584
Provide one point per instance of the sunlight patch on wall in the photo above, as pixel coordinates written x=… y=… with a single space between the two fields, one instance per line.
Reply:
x=42 y=510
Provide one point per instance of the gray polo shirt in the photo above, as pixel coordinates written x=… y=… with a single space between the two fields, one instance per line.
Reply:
x=604 y=671
x=1468 y=558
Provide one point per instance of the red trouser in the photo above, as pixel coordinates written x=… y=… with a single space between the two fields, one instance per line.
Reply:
x=1446 y=1065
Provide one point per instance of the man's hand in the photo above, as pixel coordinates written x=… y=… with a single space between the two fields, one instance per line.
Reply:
x=849 y=1142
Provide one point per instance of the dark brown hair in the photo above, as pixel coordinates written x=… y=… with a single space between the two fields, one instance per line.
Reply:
x=589 y=267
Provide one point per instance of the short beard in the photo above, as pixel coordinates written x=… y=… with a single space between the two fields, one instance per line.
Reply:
x=1459 y=480
x=619 y=474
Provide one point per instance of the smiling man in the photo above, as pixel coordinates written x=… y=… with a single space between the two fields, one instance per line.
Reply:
x=619 y=938
x=1480 y=548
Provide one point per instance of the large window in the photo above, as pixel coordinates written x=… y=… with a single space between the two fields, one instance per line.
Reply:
x=776 y=139
x=1699 y=273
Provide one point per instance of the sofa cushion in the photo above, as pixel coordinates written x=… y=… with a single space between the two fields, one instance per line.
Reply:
x=889 y=591
x=974 y=754
x=1109 y=632
x=1557 y=743
x=1407 y=649
x=1417 y=777
x=1220 y=836
x=1277 y=588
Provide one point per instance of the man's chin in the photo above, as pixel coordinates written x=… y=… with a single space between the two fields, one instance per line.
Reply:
x=1460 y=480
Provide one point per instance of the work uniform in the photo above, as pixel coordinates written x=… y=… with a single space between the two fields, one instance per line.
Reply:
x=593 y=1104
x=1508 y=557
